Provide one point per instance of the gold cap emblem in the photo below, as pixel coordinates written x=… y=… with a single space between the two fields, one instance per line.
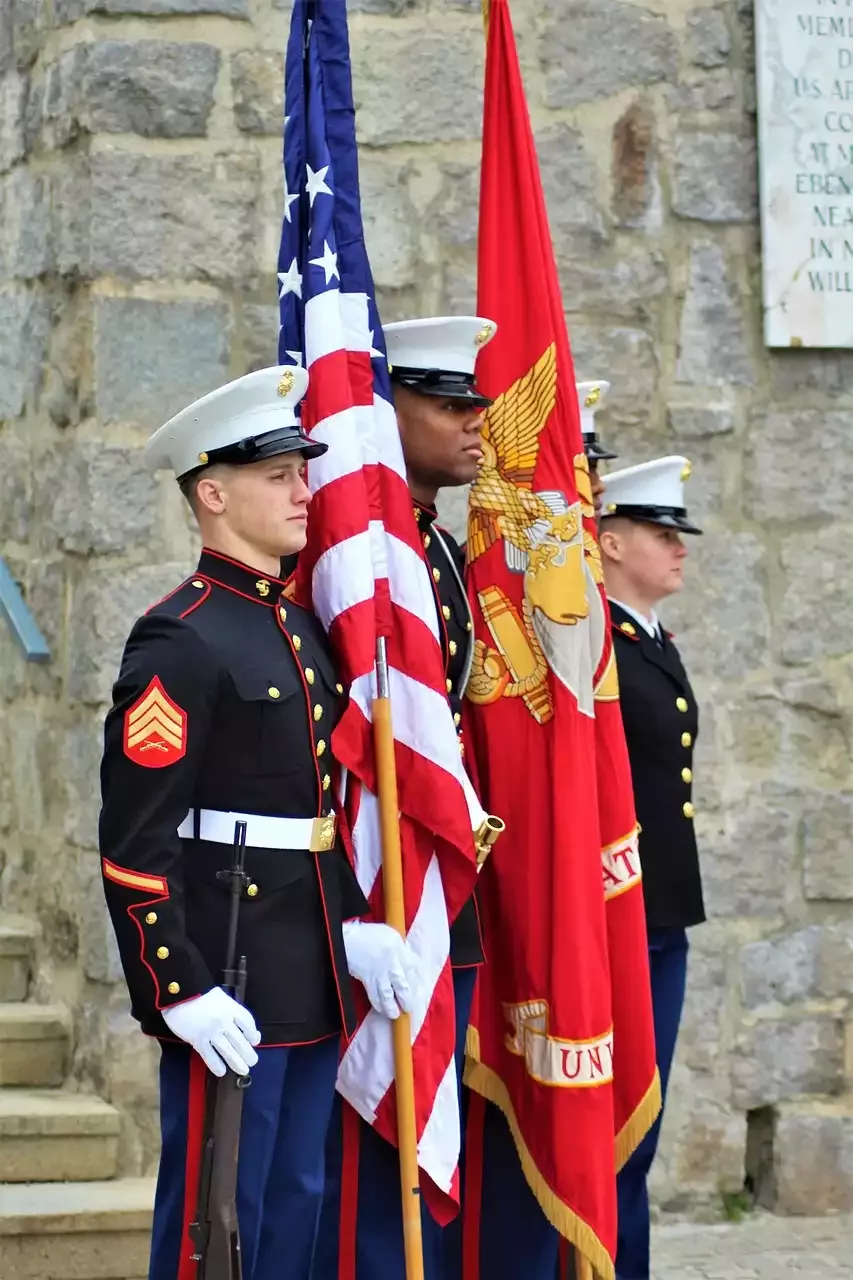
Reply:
x=262 y=587
x=202 y=457
x=285 y=383
x=686 y=470
x=593 y=398
x=483 y=336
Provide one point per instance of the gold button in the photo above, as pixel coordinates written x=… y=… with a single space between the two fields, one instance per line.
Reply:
x=448 y=684
x=198 y=583
x=688 y=810
x=427 y=539
x=451 y=648
x=340 y=688
x=461 y=748
x=320 y=748
x=469 y=626
x=327 y=782
x=687 y=739
x=457 y=719
x=282 y=613
x=436 y=574
x=446 y=612
x=162 y=953
x=297 y=643
x=252 y=891
x=318 y=712
x=151 y=918
x=681 y=703
x=686 y=775
x=309 y=674
x=273 y=692
x=174 y=988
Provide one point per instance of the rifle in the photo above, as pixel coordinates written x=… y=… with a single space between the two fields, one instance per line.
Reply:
x=214 y=1232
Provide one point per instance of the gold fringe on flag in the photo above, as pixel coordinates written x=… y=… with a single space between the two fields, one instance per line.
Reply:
x=484 y=1081
x=635 y=1129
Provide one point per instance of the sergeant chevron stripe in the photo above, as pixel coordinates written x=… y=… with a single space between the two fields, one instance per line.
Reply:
x=155 y=729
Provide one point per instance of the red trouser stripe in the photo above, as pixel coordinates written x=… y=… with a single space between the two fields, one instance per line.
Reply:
x=349 y=1193
x=187 y=1269
x=472 y=1197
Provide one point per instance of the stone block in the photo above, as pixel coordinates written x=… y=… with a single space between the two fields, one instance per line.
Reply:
x=453 y=215
x=701 y=1144
x=712 y=347
x=417 y=85
x=700 y=421
x=33 y=1045
x=570 y=181
x=394 y=8
x=634 y=181
x=813 y=1158
x=783 y=969
x=627 y=357
x=153 y=358
x=72 y=218
x=749 y=852
x=25 y=250
x=71 y=10
x=391 y=223
x=30 y=21
x=459 y=290
x=603 y=47
x=25 y=326
x=721 y=618
x=702 y=1033
x=98 y=946
x=827 y=865
x=15 y=489
x=100 y=498
x=777 y=1060
x=835 y=961
x=795 y=373
x=698 y=91
x=714 y=177
x=707 y=40
x=786 y=739
x=52 y=1136
x=816 y=615
x=630 y=289
x=259 y=328
x=174 y=217
x=257 y=87
x=775 y=443
x=156 y=88
x=13 y=101
x=100 y=621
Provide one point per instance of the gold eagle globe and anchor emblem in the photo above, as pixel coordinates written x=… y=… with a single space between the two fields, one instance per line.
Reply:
x=561 y=623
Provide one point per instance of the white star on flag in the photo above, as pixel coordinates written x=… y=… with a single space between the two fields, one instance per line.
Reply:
x=288 y=199
x=296 y=357
x=316 y=184
x=329 y=263
x=374 y=354
x=291 y=280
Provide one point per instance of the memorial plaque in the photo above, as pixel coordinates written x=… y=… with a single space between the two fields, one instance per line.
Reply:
x=805 y=108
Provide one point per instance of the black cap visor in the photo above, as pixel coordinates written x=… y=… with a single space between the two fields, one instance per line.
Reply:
x=440 y=382
x=669 y=517
x=258 y=448
x=596 y=451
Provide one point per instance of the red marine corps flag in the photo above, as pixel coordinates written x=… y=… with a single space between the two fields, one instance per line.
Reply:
x=562 y=1040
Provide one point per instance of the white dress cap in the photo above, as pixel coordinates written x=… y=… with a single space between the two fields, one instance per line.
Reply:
x=244 y=413
x=448 y=343
x=591 y=397
x=652 y=492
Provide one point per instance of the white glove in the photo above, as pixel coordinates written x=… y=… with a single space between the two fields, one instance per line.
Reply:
x=220 y=1030
x=384 y=963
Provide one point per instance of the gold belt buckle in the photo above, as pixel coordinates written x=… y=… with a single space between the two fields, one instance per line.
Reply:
x=323 y=832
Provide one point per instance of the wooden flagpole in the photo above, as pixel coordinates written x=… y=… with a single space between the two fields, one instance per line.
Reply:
x=395 y=916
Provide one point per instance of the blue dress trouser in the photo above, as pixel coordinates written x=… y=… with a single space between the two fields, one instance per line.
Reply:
x=280 y=1173
x=668 y=964
x=379 y=1253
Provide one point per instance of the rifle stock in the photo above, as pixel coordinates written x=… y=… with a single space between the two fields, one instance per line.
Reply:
x=215 y=1231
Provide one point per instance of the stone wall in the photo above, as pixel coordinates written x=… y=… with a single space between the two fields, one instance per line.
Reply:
x=140 y=199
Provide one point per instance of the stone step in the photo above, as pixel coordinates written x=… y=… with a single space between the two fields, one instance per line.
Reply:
x=33 y=1045
x=76 y=1230
x=812 y=1156
x=47 y=1135
x=17 y=948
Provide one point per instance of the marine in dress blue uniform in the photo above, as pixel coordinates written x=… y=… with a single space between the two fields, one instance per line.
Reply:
x=224 y=709
x=661 y=721
x=438 y=408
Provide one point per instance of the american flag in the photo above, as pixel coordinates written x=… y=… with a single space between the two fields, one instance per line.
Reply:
x=366 y=576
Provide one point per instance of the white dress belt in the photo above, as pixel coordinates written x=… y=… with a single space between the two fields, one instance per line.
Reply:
x=262 y=832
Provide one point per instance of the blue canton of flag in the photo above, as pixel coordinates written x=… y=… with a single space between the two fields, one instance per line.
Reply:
x=322 y=237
